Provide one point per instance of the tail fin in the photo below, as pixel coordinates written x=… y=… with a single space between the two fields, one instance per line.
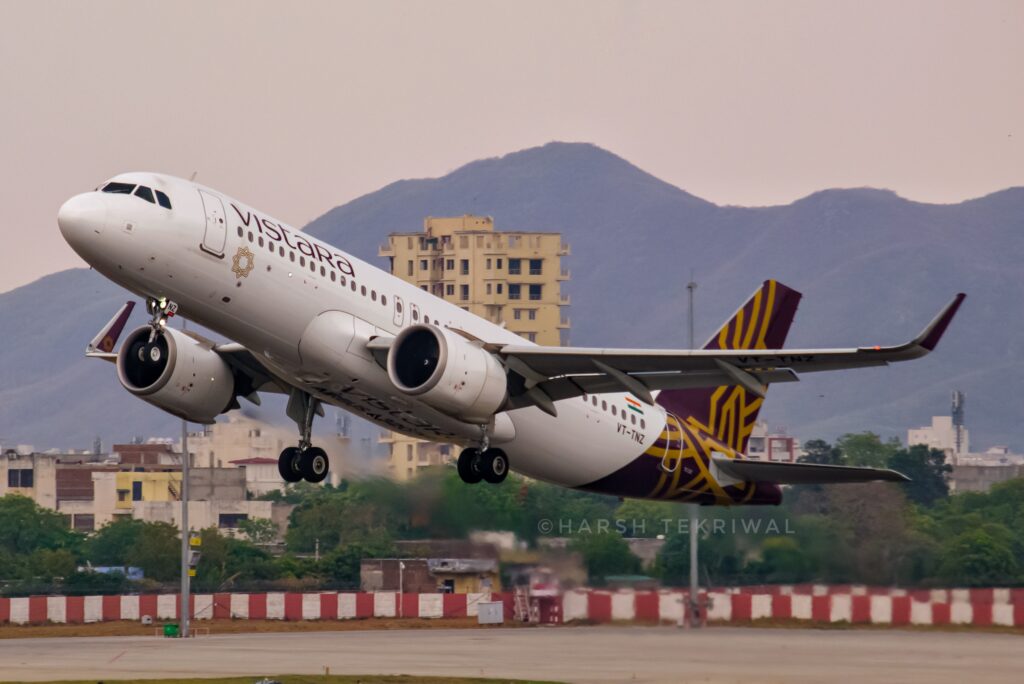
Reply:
x=728 y=413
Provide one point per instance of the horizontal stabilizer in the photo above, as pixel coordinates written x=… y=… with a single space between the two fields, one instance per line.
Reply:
x=102 y=346
x=801 y=473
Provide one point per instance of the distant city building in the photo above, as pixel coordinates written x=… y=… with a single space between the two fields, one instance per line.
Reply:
x=765 y=445
x=980 y=478
x=511 y=278
x=942 y=435
x=972 y=472
x=238 y=441
x=408 y=455
x=147 y=486
x=455 y=566
x=508 y=277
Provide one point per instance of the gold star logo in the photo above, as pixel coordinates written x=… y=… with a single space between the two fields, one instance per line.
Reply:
x=242 y=263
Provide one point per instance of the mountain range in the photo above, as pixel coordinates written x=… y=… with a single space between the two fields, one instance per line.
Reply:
x=873 y=267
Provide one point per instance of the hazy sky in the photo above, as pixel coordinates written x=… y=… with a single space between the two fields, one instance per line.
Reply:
x=296 y=107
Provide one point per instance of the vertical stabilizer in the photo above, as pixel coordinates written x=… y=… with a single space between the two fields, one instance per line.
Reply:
x=728 y=413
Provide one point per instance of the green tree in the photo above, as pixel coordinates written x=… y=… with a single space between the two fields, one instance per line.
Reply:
x=782 y=560
x=52 y=564
x=26 y=527
x=867 y=449
x=342 y=565
x=259 y=530
x=980 y=557
x=820 y=451
x=157 y=551
x=927 y=470
x=876 y=521
x=605 y=553
x=113 y=543
x=643 y=518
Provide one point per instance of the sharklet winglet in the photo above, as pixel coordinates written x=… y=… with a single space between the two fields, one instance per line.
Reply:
x=102 y=346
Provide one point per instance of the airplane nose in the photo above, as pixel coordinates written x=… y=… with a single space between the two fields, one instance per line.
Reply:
x=82 y=216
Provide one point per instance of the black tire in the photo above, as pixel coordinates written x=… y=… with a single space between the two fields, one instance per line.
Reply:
x=469 y=466
x=494 y=466
x=314 y=465
x=288 y=464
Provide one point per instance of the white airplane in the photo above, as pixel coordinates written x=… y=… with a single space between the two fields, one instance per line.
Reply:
x=322 y=326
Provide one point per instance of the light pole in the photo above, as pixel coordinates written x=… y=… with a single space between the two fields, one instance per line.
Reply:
x=185 y=546
x=691 y=288
x=401 y=582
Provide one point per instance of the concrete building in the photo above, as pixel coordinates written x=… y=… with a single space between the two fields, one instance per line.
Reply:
x=427 y=565
x=772 y=445
x=430 y=575
x=91 y=494
x=237 y=440
x=941 y=434
x=507 y=277
x=980 y=478
x=408 y=455
x=261 y=474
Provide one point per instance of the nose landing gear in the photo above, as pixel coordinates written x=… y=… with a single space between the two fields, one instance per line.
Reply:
x=487 y=464
x=304 y=462
x=160 y=310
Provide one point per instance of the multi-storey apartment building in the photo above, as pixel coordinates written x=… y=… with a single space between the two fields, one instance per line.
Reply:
x=507 y=277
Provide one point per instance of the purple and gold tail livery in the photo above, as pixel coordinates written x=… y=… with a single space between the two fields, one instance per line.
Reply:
x=706 y=420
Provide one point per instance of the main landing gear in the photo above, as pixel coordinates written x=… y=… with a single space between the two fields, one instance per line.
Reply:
x=483 y=464
x=304 y=462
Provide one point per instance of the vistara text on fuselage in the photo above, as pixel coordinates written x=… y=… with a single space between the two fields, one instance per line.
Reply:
x=307 y=320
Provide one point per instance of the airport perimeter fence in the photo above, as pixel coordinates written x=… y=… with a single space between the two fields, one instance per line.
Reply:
x=812 y=604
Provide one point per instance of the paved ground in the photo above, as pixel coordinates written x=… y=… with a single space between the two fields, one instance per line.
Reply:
x=577 y=654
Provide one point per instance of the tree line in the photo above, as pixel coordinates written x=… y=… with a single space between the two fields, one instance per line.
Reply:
x=913 y=534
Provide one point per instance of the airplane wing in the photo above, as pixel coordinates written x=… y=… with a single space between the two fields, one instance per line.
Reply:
x=251 y=375
x=553 y=373
x=801 y=473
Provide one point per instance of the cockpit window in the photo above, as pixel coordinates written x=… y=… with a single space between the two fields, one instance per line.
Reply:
x=145 y=193
x=163 y=199
x=119 y=188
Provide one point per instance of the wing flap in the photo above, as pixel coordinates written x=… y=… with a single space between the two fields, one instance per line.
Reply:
x=802 y=473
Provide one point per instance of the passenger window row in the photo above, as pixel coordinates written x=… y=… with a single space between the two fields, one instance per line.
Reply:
x=620 y=413
x=140 y=191
x=326 y=272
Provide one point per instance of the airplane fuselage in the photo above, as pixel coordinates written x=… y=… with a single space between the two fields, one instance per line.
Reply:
x=268 y=286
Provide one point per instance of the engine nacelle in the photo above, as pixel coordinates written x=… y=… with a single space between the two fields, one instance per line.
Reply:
x=176 y=373
x=448 y=372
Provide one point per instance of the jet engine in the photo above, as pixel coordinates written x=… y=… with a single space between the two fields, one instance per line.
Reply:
x=448 y=372
x=176 y=373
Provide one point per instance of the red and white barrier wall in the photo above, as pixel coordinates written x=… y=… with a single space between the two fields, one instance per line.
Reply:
x=811 y=603
x=264 y=606
x=980 y=607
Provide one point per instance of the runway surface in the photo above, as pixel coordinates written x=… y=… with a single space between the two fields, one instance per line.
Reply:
x=572 y=654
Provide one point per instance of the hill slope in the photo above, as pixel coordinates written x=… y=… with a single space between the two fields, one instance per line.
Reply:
x=873 y=267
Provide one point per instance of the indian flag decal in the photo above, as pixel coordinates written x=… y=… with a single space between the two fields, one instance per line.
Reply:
x=634 y=405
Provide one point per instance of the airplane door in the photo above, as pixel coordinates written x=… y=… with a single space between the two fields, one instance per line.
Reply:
x=399 y=311
x=216 y=226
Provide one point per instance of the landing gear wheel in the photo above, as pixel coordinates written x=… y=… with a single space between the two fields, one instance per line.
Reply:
x=288 y=464
x=469 y=466
x=313 y=464
x=494 y=466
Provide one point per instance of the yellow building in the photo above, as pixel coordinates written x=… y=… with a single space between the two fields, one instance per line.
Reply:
x=512 y=278
x=132 y=486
